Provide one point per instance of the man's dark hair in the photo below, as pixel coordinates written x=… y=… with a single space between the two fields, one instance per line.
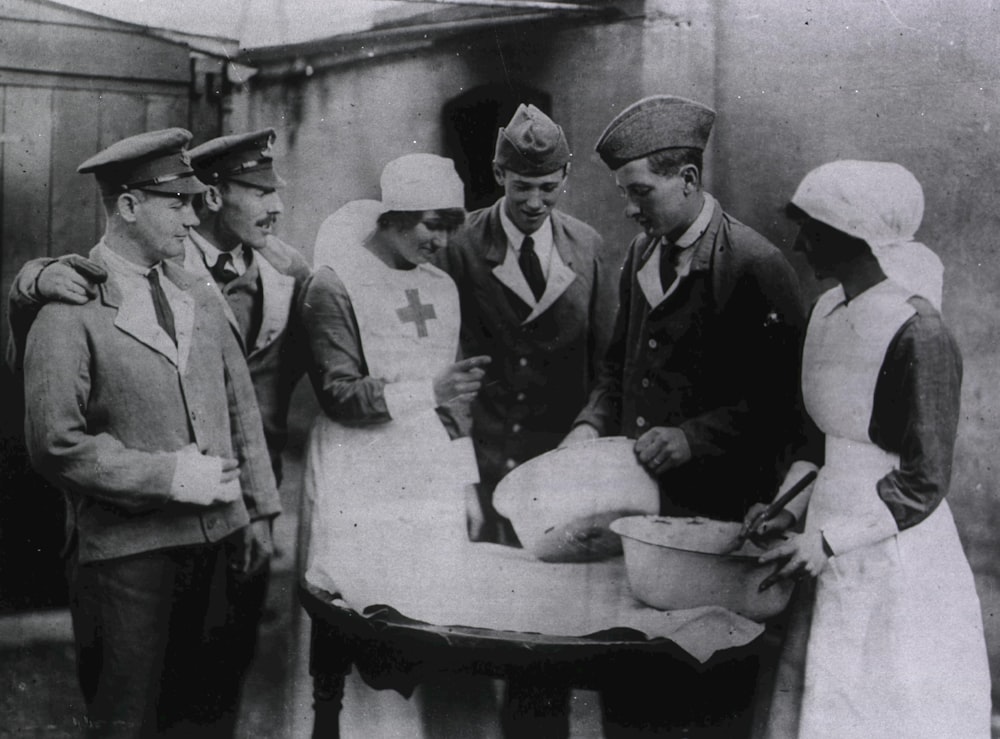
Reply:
x=667 y=162
x=404 y=220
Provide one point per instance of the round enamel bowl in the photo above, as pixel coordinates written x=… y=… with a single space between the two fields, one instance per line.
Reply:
x=677 y=563
x=561 y=503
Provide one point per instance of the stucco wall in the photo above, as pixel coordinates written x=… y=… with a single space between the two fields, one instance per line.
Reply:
x=795 y=86
x=799 y=85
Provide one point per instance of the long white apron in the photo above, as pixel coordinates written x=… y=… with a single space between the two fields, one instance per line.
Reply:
x=889 y=641
x=388 y=507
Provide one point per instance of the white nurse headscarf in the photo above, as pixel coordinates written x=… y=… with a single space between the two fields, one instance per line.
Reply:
x=881 y=203
x=410 y=183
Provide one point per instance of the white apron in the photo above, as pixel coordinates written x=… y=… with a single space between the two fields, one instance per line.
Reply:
x=388 y=503
x=384 y=490
x=889 y=640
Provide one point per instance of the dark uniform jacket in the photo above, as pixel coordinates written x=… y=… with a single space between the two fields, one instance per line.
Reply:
x=544 y=363
x=107 y=409
x=718 y=358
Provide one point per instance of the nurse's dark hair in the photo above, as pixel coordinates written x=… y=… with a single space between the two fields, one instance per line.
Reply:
x=667 y=162
x=404 y=220
x=848 y=247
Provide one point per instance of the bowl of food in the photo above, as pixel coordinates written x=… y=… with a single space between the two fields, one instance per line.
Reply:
x=561 y=503
x=676 y=563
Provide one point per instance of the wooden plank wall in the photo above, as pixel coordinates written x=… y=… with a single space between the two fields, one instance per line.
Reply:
x=46 y=208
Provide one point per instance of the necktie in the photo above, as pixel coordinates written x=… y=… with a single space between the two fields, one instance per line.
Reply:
x=531 y=267
x=164 y=316
x=668 y=265
x=223 y=270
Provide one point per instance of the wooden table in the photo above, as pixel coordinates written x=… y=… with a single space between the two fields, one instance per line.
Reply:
x=393 y=652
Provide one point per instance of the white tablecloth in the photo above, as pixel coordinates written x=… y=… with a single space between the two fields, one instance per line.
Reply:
x=454 y=582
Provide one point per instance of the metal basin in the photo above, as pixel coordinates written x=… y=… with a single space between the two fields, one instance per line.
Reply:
x=676 y=563
x=562 y=503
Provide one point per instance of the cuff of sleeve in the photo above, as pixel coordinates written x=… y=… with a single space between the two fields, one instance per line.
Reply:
x=463 y=465
x=593 y=420
x=696 y=440
x=406 y=398
x=192 y=475
x=848 y=536
x=26 y=283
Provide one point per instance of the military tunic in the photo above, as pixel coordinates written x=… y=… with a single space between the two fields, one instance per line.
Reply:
x=545 y=358
x=717 y=358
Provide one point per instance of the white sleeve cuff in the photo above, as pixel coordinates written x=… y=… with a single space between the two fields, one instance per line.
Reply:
x=463 y=463
x=407 y=398
x=196 y=478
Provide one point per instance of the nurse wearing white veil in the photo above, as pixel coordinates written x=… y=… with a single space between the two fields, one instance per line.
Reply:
x=387 y=463
x=885 y=638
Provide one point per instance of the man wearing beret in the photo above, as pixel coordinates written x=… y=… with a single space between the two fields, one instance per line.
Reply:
x=141 y=410
x=258 y=279
x=702 y=367
x=537 y=297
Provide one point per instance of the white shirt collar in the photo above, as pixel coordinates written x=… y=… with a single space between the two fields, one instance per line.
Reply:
x=122 y=266
x=212 y=253
x=700 y=224
x=542 y=238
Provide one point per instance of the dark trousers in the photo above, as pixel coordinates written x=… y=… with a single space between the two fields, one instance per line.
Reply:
x=668 y=700
x=163 y=640
x=533 y=709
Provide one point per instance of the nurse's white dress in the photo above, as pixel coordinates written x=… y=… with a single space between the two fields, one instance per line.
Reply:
x=388 y=506
x=890 y=642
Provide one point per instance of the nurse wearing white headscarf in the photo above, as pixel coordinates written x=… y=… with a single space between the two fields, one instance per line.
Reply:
x=387 y=466
x=886 y=637
x=882 y=204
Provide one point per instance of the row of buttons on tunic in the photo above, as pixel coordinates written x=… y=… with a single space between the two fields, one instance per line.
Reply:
x=640 y=421
x=510 y=464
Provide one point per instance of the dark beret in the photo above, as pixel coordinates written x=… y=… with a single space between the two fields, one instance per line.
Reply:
x=156 y=160
x=652 y=124
x=242 y=157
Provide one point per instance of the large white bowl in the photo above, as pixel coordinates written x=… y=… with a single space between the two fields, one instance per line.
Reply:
x=676 y=563
x=562 y=503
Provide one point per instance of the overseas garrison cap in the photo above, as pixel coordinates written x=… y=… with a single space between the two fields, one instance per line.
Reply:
x=242 y=157
x=531 y=144
x=156 y=161
x=652 y=124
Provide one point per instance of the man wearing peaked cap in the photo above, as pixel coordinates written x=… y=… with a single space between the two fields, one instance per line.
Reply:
x=140 y=408
x=536 y=295
x=703 y=363
x=259 y=275
x=257 y=279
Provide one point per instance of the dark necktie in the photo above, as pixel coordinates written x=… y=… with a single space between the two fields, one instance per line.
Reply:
x=223 y=270
x=668 y=265
x=531 y=267
x=164 y=316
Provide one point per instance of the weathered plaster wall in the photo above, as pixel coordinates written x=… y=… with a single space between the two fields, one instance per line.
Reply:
x=916 y=83
x=795 y=86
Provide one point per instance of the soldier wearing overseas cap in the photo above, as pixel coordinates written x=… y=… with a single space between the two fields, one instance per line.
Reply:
x=141 y=409
x=702 y=368
x=258 y=279
x=538 y=297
